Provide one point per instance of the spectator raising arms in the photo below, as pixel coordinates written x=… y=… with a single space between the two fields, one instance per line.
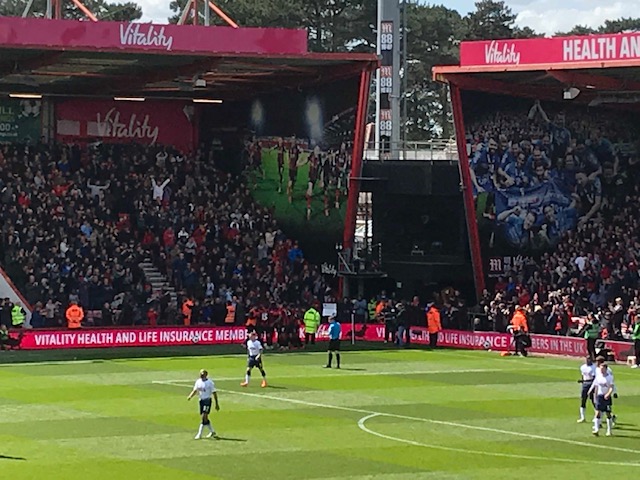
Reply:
x=78 y=222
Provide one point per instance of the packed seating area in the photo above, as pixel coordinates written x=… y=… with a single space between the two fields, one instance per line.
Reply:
x=562 y=191
x=77 y=222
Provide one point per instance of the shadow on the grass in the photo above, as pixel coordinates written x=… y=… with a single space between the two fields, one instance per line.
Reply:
x=627 y=427
x=618 y=435
x=276 y=387
x=231 y=439
x=8 y=457
x=354 y=369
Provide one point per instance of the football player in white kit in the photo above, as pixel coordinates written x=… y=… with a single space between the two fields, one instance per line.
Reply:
x=603 y=389
x=588 y=372
x=254 y=349
x=206 y=389
x=599 y=361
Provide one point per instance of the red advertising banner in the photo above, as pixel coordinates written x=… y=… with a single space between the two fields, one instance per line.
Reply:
x=176 y=336
x=147 y=123
x=146 y=37
x=555 y=50
x=131 y=337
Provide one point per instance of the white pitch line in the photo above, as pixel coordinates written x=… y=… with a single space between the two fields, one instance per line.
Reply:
x=335 y=374
x=366 y=374
x=364 y=428
x=427 y=420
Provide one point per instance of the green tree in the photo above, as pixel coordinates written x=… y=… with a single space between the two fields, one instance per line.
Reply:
x=610 y=26
x=620 y=25
x=490 y=20
x=124 y=12
x=338 y=25
x=579 y=30
x=433 y=38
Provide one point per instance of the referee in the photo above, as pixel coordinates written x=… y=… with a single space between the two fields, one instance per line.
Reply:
x=334 y=341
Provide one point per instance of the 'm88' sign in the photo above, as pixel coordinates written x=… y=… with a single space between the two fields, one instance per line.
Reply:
x=386 y=36
x=385 y=122
x=385 y=78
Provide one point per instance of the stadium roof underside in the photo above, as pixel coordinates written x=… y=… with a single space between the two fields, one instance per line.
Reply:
x=604 y=83
x=604 y=68
x=230 y=64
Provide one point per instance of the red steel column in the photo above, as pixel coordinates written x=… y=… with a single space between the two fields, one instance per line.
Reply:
x=467 y=190
x=356 y=164
x=356 y=160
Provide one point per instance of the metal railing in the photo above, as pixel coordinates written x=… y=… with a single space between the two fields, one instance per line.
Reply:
x=429 y=150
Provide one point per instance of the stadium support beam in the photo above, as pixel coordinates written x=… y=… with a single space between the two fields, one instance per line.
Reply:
x=356 y=167
x=54 y=9
x=27 y=9
x=191 y=8
x=595 y=82
x=467 y=191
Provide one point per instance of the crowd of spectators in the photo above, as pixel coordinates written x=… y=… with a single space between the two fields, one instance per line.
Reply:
x=77 y=223
x=571 y=258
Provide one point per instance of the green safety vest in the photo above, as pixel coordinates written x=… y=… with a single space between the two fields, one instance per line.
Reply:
x=311 y=320
x=372 y=309
x=592 y=331
x=17 y=316
x=635 y=335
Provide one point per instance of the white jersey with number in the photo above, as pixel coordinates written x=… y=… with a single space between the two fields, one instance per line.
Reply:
x=603 y=383
x=205 y=388
x=588 y=372
x=254 y=347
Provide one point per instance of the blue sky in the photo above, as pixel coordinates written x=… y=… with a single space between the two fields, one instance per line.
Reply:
x=547 y=16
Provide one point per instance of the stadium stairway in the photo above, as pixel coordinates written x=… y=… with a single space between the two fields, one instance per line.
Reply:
x=157 y=280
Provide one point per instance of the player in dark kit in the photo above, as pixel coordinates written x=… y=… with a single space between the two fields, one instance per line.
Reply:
x=294 y=155
x=280 y=149
x=314 y=170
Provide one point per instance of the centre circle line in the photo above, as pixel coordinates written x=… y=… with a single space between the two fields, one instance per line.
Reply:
x=362 y=426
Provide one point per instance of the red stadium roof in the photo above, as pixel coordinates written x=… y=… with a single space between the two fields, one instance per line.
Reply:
x=544 y=67
x=72 y=58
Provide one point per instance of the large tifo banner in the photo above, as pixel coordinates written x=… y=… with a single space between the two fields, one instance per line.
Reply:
x=146 y=123
x=177 y=336
x=540 y=169
x=20 y=120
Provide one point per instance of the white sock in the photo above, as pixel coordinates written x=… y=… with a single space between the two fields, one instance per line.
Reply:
x=210 y=428
x=200 y=430
x=609 y=425
x=246 y=378
x=596 y=424
x=582 y=413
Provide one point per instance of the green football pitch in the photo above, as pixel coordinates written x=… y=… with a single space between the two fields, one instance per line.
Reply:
x=386 y=415
x=294 y=215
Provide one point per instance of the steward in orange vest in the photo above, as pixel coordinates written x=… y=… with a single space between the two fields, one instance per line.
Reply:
x=187 y=307
x=433 y=325
x=230 y=317
x=520 y=331
x=74 y=316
